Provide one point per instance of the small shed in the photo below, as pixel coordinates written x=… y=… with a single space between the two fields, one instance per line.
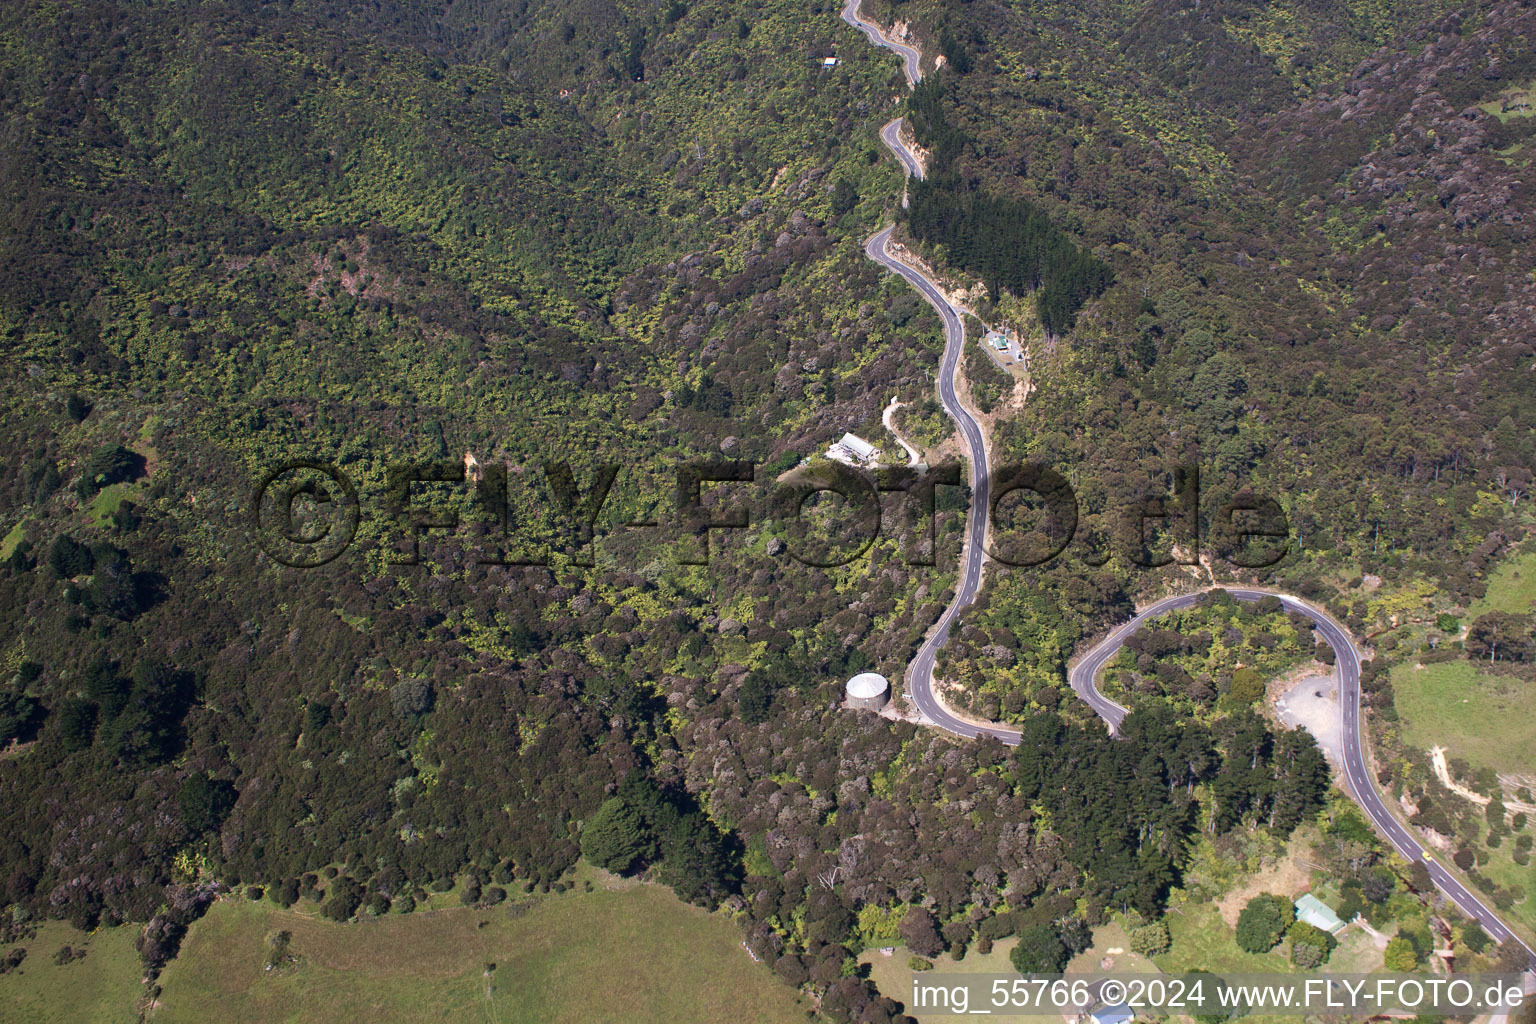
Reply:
x=829 y=62
x=1119 y=1013
x=1318 y=914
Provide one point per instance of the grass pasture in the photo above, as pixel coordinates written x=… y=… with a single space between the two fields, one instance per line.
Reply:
x=1203 y=941
x=893 y=977
x=1511 y=588
x=103 y=988
x=632 y=955
x=1512 y=102
x=13 y=538
x=1501 y=867
x=1482 y=717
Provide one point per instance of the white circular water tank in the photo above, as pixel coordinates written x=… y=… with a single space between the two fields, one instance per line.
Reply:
x=868 y=690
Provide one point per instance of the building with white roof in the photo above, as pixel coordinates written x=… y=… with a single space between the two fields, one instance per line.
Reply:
x=868 y=690
x=853 y=450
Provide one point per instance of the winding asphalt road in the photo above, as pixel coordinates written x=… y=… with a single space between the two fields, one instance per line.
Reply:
x=1357 y=780
x=891 y=136
x=911 y=59
x=920 y=671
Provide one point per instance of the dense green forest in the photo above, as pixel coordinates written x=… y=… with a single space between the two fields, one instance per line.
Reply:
x=628 y=235
x=1284 y=208
x=1008 y=242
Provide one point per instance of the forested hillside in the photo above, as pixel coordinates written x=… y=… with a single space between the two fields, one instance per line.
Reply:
x=1318 y=226
x=479 y=238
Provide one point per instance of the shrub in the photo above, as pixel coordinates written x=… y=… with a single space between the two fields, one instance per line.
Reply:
x=920 y=932
x=792 y=969
x=615 y=837
x=1151 y=940
x=917 y=963
x=77 y=723
x=1040 y=951
x=109 y=465
x=205 y=802
x=1400 y=955
x=1075 y=935
x=998 y=926
x=1306 y=955
x=277 y=949
x=67 y=557
x=346 y=897
x=1310 y=945
x=1262 y=922
x=1247 y=686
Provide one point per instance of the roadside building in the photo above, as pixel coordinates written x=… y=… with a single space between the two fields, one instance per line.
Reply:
x=861 y=449
x=1318 y=914
x=868 y=690
x=853 y=450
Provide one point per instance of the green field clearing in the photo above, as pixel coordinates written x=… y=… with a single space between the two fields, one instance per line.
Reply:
x=1512 y=588
x=109 y=498
x=1517 y=98
x=893 y=977
x=1501 y=867
x=103 y=988
x=632 y=955
x=8 y=544
x=1483 y=718
x=1203 y=941
x=1105 y=938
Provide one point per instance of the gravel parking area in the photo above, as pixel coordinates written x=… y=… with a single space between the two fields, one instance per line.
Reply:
x=1313 y=704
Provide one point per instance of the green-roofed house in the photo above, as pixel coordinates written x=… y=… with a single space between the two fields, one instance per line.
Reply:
x=1318 y=914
